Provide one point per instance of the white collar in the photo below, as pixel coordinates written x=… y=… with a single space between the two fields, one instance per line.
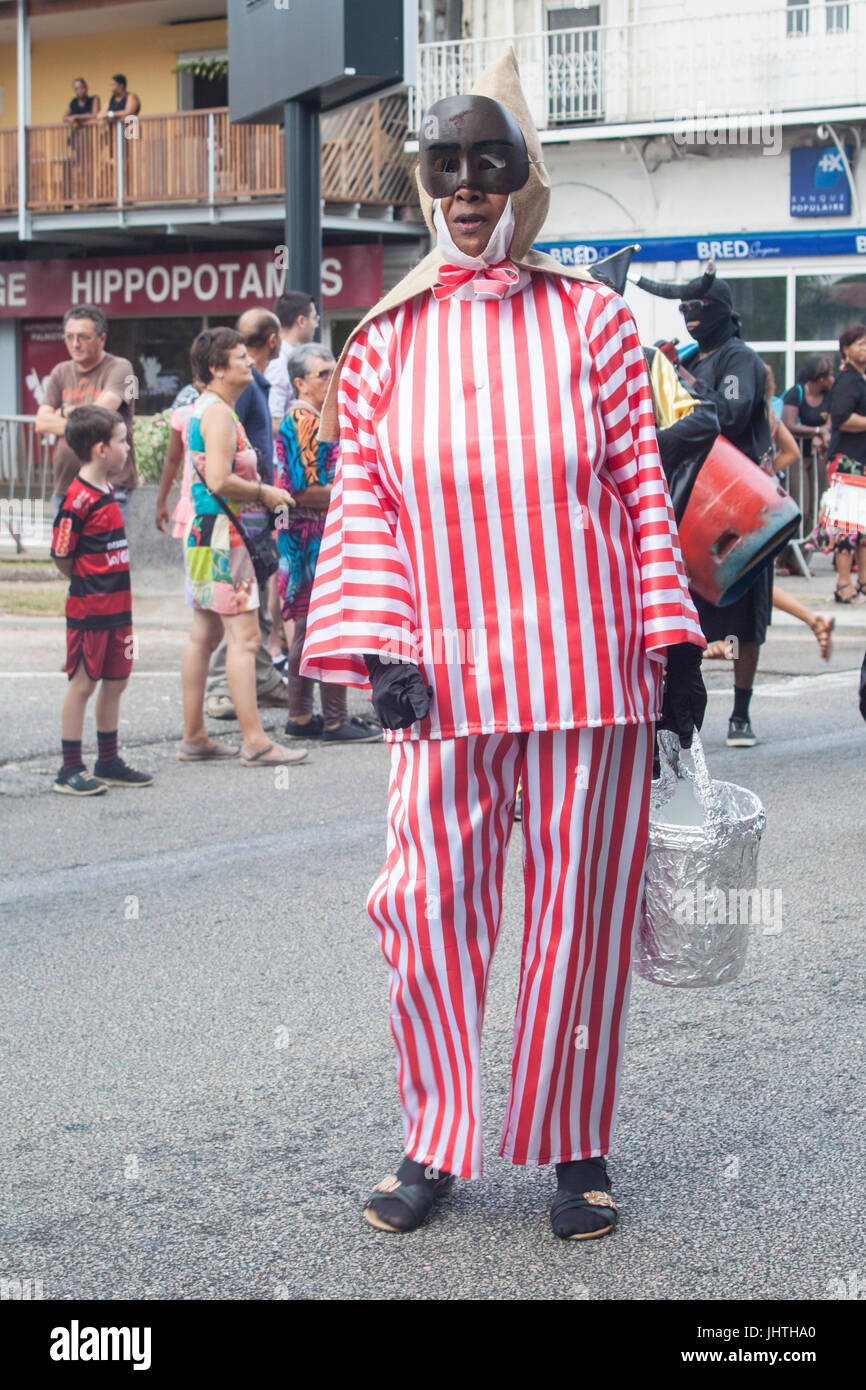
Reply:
x=495 y=251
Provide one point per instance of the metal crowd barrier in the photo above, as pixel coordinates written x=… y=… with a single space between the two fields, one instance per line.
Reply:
x=805 y=480
x=25 y=486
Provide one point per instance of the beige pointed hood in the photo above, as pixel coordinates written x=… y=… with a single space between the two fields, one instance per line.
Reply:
x=501 y=82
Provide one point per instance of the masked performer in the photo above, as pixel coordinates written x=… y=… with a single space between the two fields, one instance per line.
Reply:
x=500 y=557
x=732 y=376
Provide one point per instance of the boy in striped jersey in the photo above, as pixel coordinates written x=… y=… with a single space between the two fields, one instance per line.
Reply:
x=89 y=546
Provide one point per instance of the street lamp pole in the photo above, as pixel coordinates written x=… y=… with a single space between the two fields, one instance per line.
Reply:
x=303 y=198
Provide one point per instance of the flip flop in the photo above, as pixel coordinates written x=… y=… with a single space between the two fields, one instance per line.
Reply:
x=285 y=756
x=204 y=753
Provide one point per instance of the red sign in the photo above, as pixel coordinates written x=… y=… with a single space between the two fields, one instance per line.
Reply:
x=215 y=282
x=42 y=347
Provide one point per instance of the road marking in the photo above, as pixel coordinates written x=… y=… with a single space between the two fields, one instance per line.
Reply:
x=795 y=685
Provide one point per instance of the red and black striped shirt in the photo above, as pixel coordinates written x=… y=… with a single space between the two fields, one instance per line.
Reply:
x=89 y=528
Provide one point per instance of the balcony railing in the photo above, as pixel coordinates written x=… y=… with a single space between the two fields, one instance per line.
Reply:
x=777 y=58
x=199 y=157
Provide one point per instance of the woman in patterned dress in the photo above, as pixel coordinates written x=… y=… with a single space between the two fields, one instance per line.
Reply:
x=304 y=465
x=221 y=581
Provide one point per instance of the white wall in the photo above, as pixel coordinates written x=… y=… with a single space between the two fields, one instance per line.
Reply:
x=732 y=189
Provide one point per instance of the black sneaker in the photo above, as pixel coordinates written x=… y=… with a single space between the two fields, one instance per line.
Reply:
x=740 y=734
x=312 y=729
x=115 y=773
x=76 y=781
x=353 y=730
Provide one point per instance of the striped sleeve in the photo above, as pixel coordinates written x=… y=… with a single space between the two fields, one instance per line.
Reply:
x=361 y=600
x=632 y=457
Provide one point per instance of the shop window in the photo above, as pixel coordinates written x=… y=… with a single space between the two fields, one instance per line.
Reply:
x=760 y=302
x=159 y=352
x=776 y=362
x=828 y=303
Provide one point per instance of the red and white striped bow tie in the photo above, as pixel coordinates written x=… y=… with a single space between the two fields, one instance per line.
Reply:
x=491 y=282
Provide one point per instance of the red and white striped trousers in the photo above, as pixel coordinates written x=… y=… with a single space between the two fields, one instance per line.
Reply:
x=438 y=905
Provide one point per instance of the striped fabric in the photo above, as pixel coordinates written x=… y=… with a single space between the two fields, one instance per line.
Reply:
x=500 y=515
x=437 y=906
x=88 y=529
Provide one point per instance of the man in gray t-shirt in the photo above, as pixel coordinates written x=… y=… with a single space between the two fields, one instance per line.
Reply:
x=92 y=376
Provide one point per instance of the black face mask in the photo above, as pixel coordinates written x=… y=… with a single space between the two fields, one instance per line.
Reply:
x=471 y=142
x=715 y=319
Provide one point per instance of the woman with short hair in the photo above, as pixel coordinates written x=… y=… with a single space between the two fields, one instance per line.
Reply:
x=221 y=580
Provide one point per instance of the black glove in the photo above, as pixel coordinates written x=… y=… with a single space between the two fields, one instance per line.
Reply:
x=685 y=697
x=400 y=695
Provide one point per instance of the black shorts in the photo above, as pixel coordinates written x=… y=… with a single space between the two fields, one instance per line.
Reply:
x=747 y=619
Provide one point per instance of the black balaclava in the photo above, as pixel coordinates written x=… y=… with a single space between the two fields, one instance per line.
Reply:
x=471 y=141
x=716 y=320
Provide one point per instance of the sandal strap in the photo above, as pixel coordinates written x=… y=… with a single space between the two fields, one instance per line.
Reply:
x=418 y=1197
x=575 y=1201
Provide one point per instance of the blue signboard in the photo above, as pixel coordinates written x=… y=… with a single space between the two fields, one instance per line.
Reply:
x=725 y=246
x=819 y=184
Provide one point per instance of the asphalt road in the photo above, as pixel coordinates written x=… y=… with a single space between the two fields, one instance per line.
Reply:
x=198 y=1084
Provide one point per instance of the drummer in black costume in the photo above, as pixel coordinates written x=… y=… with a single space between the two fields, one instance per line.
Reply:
x=732 y=376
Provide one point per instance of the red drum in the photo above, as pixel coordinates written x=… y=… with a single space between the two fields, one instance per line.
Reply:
x=736 y=520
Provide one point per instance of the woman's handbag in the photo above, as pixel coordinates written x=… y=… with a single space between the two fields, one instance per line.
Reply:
x=259 y=544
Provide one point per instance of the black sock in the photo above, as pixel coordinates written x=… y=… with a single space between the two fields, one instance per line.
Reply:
x=741 y=703
x=72 y=759
x=107 y=746
x=582 y=1175
x=411 y=1172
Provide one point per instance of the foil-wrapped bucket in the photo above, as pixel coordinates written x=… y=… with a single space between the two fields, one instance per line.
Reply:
x=700 y=893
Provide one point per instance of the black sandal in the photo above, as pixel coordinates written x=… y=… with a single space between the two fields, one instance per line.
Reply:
x=416 y=1198
x=566 y=1203
x=854 y=597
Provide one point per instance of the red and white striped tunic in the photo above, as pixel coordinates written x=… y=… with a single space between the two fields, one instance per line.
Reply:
x=500 y=515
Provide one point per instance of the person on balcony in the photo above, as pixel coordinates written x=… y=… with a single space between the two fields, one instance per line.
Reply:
x=122 y=102
x=500 y=560
x=83 y=108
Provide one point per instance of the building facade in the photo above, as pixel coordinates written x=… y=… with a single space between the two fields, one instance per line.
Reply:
x=171 y=219
x=729 y=131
